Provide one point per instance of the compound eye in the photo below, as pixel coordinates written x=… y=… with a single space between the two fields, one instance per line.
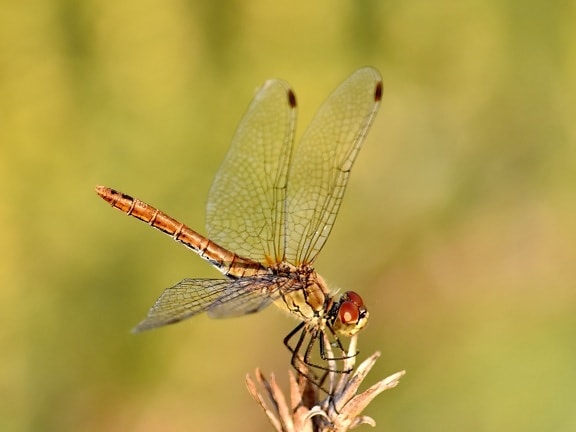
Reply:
x=348 y=313
x=354 y=298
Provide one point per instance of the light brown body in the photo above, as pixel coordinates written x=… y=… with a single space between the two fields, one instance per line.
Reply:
x=225 y=261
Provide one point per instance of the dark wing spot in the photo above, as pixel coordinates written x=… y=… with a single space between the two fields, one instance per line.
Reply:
x=291 y=99
x=378 y=92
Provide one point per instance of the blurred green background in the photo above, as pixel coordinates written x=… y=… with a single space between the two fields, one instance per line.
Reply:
x=458 y=227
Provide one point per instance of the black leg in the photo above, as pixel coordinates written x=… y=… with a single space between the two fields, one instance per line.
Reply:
x=301 y=359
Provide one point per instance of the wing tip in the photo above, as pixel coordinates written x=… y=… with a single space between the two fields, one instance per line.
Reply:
x=141 y=327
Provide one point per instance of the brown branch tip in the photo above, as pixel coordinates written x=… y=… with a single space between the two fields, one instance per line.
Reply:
x=338 y=408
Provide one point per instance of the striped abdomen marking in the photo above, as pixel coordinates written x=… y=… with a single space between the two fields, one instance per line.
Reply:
x=224 y=260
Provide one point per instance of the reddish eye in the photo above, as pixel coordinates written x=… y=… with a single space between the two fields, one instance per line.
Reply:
x=348 y=313
x=354 y=298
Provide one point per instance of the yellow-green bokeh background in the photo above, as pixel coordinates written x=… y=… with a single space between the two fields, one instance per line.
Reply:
x=458 y=228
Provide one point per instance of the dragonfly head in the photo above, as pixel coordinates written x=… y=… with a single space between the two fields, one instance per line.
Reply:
x=348 y=315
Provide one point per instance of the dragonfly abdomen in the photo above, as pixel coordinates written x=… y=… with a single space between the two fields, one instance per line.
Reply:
x=225 y=261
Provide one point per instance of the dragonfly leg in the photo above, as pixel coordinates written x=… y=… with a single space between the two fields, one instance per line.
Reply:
x=328 y=355
x=298 y=362
x=302 y=351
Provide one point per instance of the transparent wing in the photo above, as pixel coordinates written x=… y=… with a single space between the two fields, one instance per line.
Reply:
x=323 y=160
x=264 y=290
x=220 y=298
x=246 y=204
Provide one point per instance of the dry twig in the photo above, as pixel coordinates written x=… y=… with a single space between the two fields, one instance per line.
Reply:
x=312 y=410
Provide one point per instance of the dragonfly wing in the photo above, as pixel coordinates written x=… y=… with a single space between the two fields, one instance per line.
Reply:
x=250 y=295
x=323 y=160
x=246 y=204
x=184 y=300
x=221 y=298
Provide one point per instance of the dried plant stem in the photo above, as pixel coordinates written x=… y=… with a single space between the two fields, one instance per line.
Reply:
x=310 y=409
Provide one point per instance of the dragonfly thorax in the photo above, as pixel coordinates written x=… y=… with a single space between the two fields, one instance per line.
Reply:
x=308 y=297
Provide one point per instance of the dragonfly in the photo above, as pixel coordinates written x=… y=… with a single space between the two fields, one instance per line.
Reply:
x=270 y=210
